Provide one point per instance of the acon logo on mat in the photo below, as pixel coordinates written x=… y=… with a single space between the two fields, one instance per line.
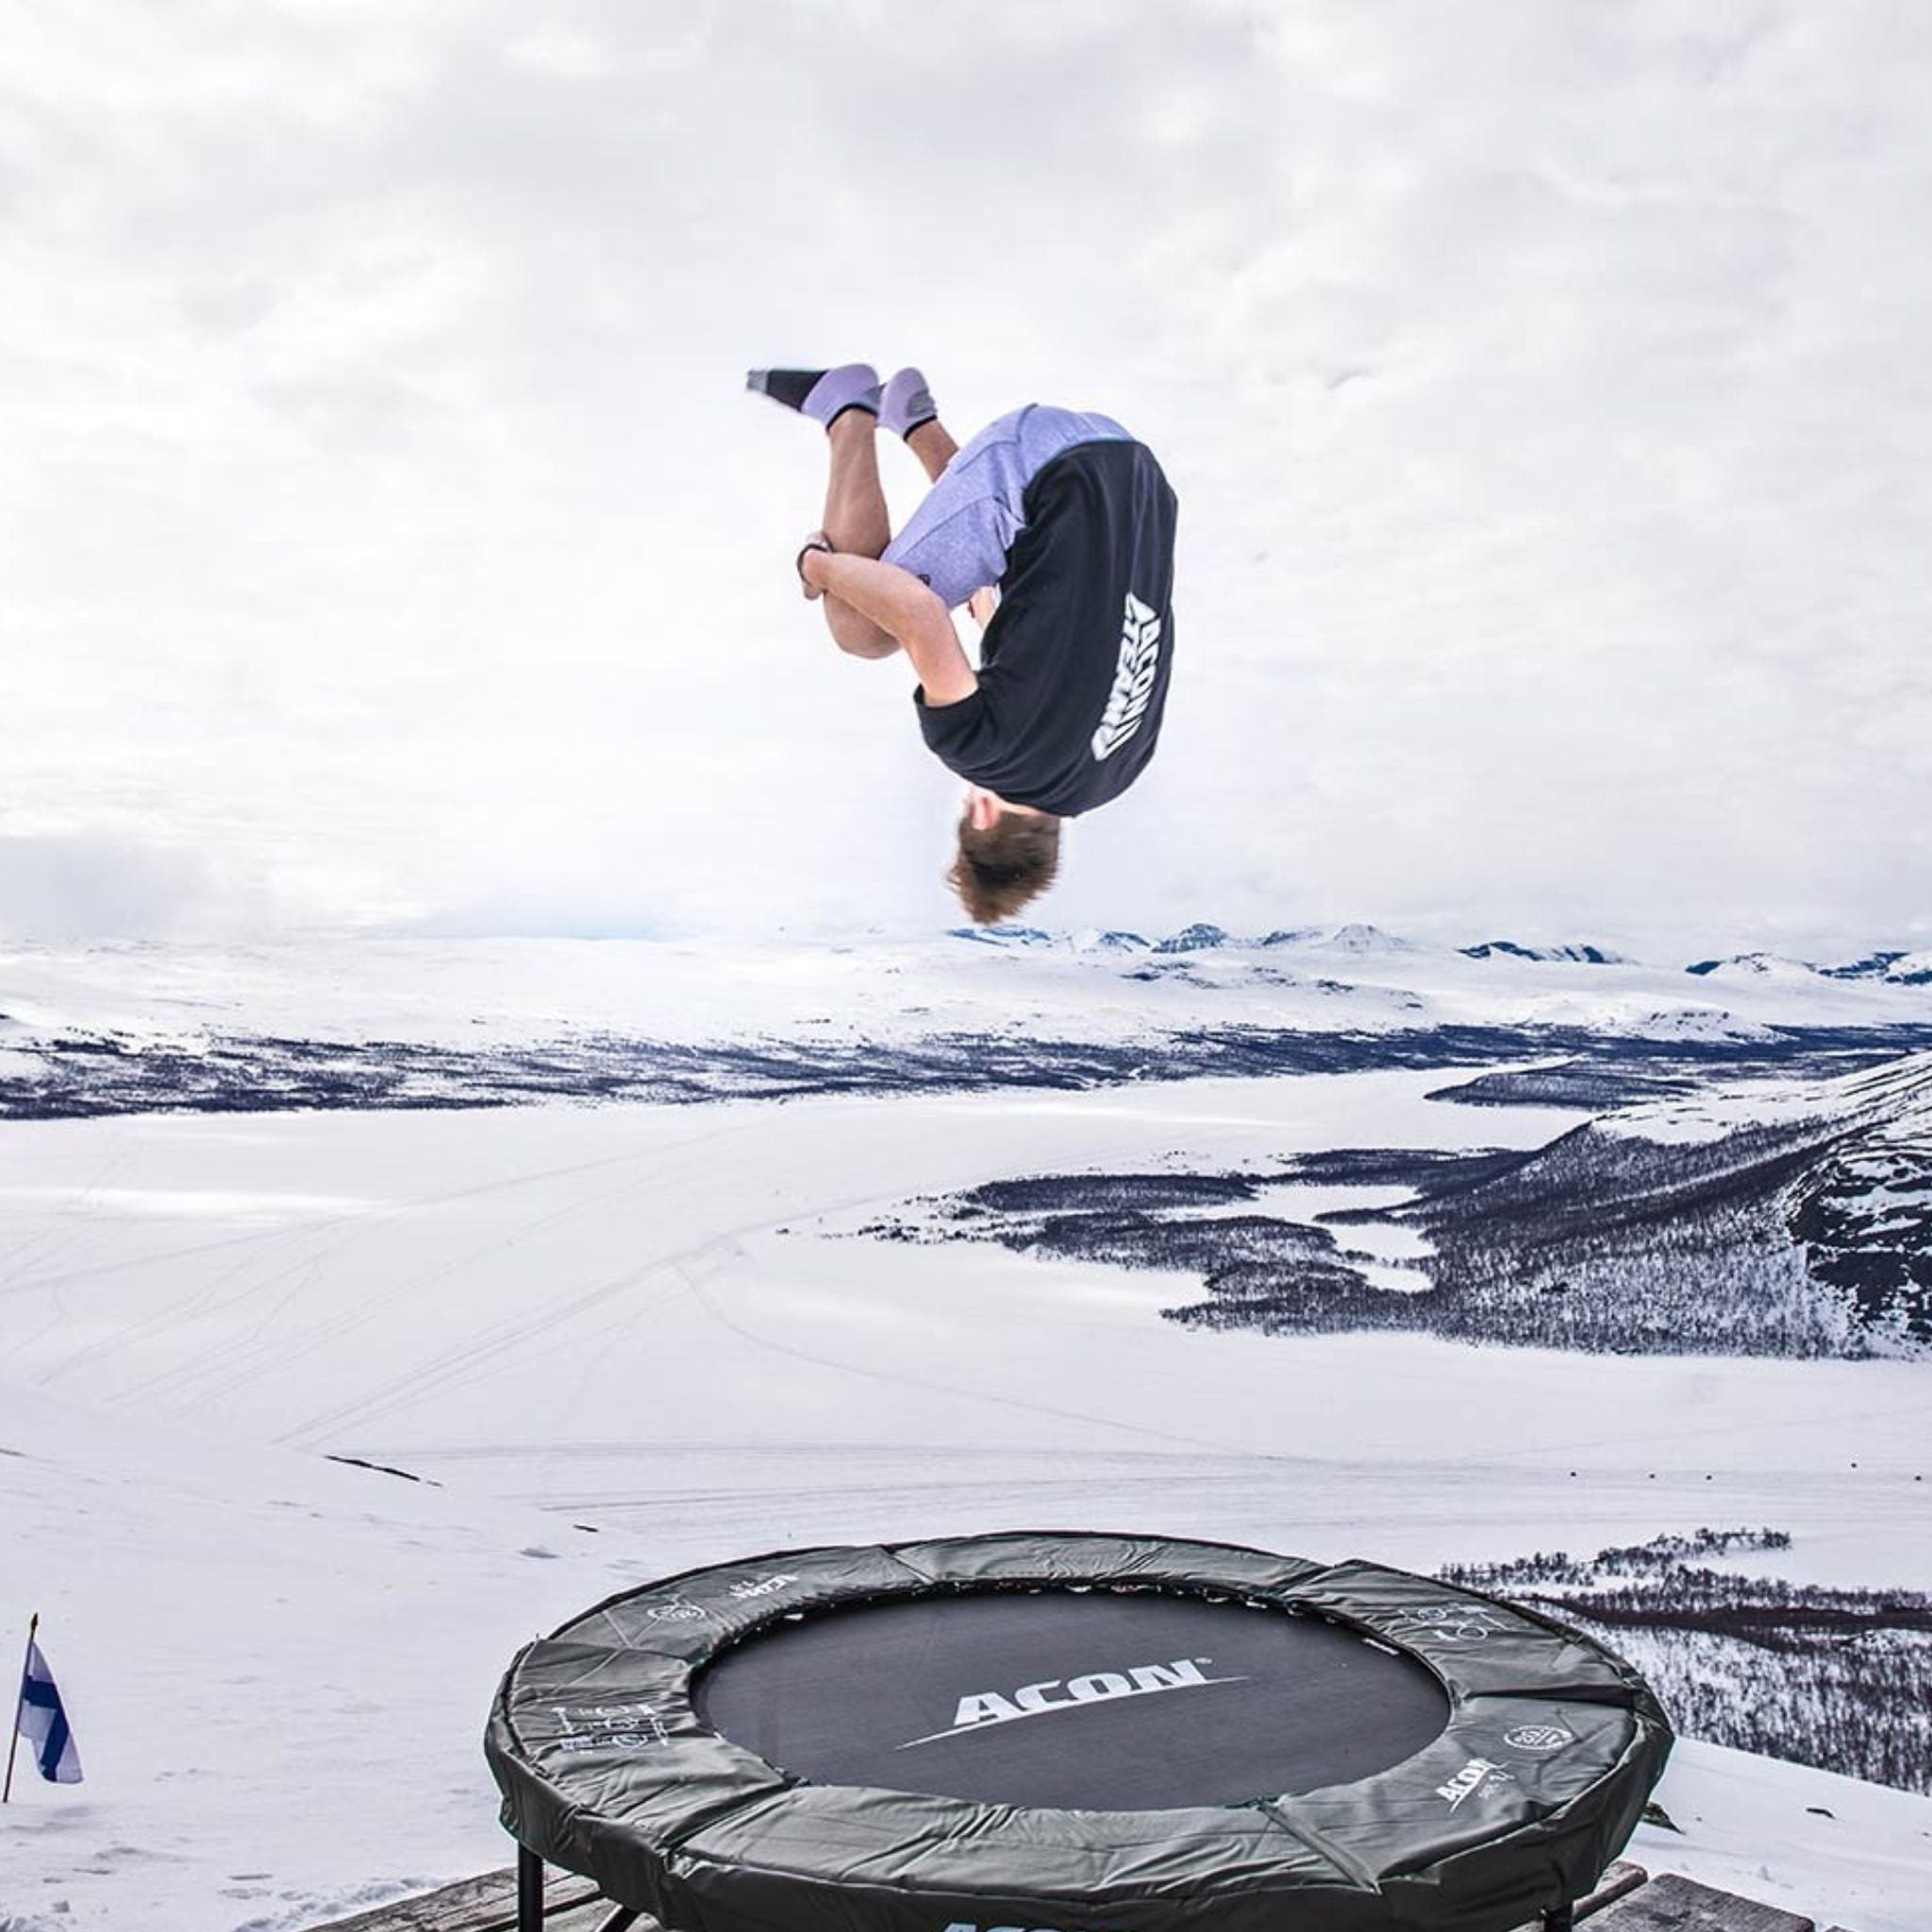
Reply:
x=1447 y=1623
x=608 y=1728
x=1541 y=1738
x=1476 y=1775
x=986 y=1708
x=676 y=1609
x=754 y=1587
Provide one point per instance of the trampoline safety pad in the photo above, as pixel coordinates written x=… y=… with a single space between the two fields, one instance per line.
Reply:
x=1086 y=1733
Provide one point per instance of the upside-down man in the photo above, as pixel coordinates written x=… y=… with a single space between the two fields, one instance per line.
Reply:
x=1056 y=528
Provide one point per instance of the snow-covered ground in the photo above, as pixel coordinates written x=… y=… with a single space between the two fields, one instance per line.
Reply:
x=278 y=1666
x=623 y=1339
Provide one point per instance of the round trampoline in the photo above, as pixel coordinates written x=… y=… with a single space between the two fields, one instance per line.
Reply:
x=1084 y=1732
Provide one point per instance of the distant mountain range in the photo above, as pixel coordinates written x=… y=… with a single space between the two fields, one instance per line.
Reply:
x=1894 y=966
x=356 y=1024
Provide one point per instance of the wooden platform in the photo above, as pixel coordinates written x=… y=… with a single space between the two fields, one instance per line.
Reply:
x=1628 y=1900
x=1671 y=1903
x=488 y=1904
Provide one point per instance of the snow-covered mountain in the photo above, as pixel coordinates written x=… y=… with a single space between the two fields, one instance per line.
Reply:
x=1774 y=966
x=1896 y=968
x=1194 y=938
x=1089 y=984
x=336 y=1024
x=1892 y=967
x=1854 y=1156
x=1581 y=954
x=1693 y=1192
x=1774 y=1217
x=1865 y=1210
x=1499 y=979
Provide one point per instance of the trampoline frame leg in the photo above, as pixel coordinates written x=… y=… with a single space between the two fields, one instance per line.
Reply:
x=529 y=1890
x=621 y=1920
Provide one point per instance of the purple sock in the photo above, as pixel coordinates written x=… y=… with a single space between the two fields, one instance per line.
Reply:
x=907 y=403
x=823 y=394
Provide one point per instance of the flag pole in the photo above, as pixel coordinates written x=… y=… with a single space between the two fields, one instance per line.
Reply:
x=33 y=1623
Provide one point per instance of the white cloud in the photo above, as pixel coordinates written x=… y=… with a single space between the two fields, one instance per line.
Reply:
x=75 y=887
x=1544 y=386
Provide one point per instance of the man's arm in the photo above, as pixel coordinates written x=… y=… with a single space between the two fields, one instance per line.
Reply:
x=903 y=612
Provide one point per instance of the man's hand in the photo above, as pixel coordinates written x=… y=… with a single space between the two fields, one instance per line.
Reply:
x=818 y=541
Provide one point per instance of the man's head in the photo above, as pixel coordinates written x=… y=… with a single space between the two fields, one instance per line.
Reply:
x=1007 y=856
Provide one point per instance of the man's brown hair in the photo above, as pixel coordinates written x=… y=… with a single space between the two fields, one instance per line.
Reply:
x=999 y=870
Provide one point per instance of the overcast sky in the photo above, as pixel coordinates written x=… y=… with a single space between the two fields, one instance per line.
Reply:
x=387 y=540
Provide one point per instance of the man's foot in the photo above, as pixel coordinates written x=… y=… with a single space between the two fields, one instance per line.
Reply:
x=823 y=395
x=907 y=403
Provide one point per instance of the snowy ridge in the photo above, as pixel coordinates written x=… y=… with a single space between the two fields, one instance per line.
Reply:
x=1861 y=1200
x=1091 y=985
x=1806 y=1238
x=1865 y=1210
x=1898 y=969
x=1582 y=954
x=1890 y=968
x=388 y=1024
x=1894 y=1099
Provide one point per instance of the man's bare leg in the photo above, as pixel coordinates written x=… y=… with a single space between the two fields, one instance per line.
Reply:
x=933 y=447
x=857 y=522
x=855 y=515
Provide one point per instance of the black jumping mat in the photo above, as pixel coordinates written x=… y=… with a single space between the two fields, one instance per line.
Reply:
x=1095 y=1702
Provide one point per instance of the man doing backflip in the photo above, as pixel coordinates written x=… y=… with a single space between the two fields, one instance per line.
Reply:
x=1056 y=528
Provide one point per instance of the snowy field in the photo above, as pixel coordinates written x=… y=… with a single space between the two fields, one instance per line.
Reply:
x=624 y=1340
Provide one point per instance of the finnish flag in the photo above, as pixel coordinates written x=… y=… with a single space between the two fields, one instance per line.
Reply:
x=43 y=1722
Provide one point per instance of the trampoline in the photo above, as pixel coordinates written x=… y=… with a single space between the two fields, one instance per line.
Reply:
x=1060 y=1732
